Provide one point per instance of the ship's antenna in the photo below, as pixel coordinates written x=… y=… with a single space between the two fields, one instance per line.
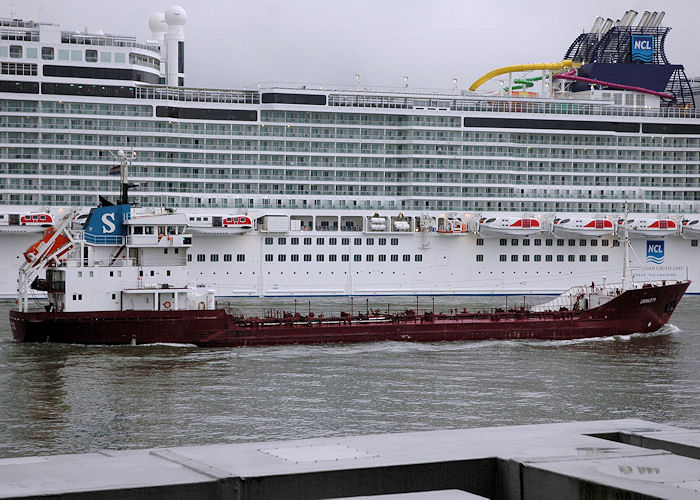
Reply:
x=122 y=157
x=625 y=248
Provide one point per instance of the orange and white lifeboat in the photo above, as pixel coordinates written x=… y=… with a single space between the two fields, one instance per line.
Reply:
x=42 y=249
x=583 y=227
x=655 y=228
x=451 y=225
x=42 y=219
x=691 y=229
x=513 y=226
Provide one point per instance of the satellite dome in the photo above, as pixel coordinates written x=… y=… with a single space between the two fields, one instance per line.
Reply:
x=157 y=24
x=175 y=15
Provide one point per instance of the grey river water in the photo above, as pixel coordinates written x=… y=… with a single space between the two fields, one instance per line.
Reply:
x=70 y=399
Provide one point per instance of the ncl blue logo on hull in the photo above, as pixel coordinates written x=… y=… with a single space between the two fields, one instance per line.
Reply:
x=655 y=251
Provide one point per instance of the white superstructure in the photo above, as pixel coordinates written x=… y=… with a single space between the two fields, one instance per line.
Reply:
x=348 y=191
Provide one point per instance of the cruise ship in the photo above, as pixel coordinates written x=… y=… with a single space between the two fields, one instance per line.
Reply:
x=301 y=191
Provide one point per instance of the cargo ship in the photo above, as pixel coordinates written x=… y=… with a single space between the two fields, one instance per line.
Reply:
x=121 y=278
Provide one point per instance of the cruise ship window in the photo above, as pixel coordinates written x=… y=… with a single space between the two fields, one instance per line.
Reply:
x=201 y=257
x=616 y=243
x=345 y=257
x=269 y=240
x=526 y=258
x=582 y=243
x=228 y=257
x=294 y=257
x=281 y=257
x=332 y=241
x=572 y=243
x=281 y=241
x=526 y=243
x=394 y=241
x=418 y=258
x=105 y=57
x=382 y=258
x=538 y=242
x=693 y=243
x=90 y=55
x=479 y=258
x=307 y=257
x=514 y=242
x=594 y=258
x=76 y=55
x=502 y=258
x=594 y=243
x=370 y=241
x=571 y=258
x=319 y=241
x=548 y=258
x=605 y=243
x=295 y=241
x=560 y=258
x=47 y=53
x=345 y=241
x=394 y=257
x=382 y=241
x=268 y=257
x=370 y=258
x=548 y=242
x=320 y=257
x=406 y=258
x=63 y=55
x=240 y=257
x=514 y=258
x=189 y=257
x=137 y=229
x=503 y=242
x=357 y=241
x=307 y=241
x=582 y=258
x=604 y=258
x=332 y=257
x=357 y=258
x=560 y=243
x=480 y=242
x=15 y=51
x=538 y=258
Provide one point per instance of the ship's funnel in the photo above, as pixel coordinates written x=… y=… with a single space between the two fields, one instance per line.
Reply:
x=650 y=21
x=606 y=26
x=628 y=18
x=597 y=24
x=658 y=19
x=644 y=19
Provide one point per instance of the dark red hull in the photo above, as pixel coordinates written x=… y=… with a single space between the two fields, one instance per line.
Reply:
x=635 y=311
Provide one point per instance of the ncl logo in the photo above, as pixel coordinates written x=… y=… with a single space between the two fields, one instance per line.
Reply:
x=642 y=48
x=655 y=251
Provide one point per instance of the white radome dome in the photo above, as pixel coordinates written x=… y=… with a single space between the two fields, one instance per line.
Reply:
x=175 y=15
x=157 y=24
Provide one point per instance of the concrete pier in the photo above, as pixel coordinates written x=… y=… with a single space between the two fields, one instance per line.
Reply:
x=601 y=459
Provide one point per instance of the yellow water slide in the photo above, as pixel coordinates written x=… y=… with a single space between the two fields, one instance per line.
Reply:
x=521 y=68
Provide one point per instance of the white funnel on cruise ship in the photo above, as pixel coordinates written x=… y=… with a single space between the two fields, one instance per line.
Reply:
x=174 y=42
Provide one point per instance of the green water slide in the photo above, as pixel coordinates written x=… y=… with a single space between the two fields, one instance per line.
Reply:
x=525 y=83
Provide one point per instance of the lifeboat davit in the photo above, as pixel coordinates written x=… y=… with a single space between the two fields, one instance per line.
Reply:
x=451 y=225
x=41 y=249
x=691 y=229
x=42 y=219
x=583 y=227
x=514 y=226
x=655 y=228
